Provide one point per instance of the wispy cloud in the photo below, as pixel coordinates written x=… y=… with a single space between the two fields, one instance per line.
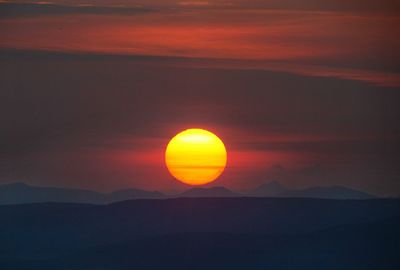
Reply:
x=324 y=44
x=16 y=9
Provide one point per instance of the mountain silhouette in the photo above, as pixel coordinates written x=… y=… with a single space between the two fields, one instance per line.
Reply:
x=271 y=189
x=18 y=193
x=216 y=192
x=275 y=189
x=132 y=193
x=333 y=192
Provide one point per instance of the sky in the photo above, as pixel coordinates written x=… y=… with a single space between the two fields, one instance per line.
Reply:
x=303 y=92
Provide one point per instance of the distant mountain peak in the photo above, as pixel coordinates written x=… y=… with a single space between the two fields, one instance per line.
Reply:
x=270 y=189
x=274 y=183
x=276 y=189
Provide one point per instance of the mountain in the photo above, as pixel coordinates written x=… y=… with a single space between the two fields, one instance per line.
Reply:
x=127 y=194
x=18 y=193
x=22 y=193
x=333 y=192
x=271 y=189
x=213 y=192
x=275 y=189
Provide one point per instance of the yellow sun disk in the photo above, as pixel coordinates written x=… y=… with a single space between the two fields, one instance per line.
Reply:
x=196 y=157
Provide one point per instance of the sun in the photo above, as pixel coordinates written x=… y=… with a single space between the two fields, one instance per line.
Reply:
x=196 y=156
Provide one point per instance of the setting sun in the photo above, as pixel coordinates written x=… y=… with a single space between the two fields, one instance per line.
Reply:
x=196 y=157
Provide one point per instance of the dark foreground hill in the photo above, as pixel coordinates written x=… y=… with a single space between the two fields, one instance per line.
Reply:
x=207 y=233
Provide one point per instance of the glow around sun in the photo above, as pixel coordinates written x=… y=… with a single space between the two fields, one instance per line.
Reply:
x=196 y=157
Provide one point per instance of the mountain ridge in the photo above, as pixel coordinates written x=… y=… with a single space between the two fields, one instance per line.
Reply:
x=275 y=189
x=197 y=192
x=20 y=193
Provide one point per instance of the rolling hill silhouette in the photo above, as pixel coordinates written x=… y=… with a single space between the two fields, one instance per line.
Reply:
x=275 y=189
x=213 y=192
x=22 y=193
x=18 y=193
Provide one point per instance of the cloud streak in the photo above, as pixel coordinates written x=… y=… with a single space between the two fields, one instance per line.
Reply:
x=324 y=44
x=11 y=10
x=384 y=6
